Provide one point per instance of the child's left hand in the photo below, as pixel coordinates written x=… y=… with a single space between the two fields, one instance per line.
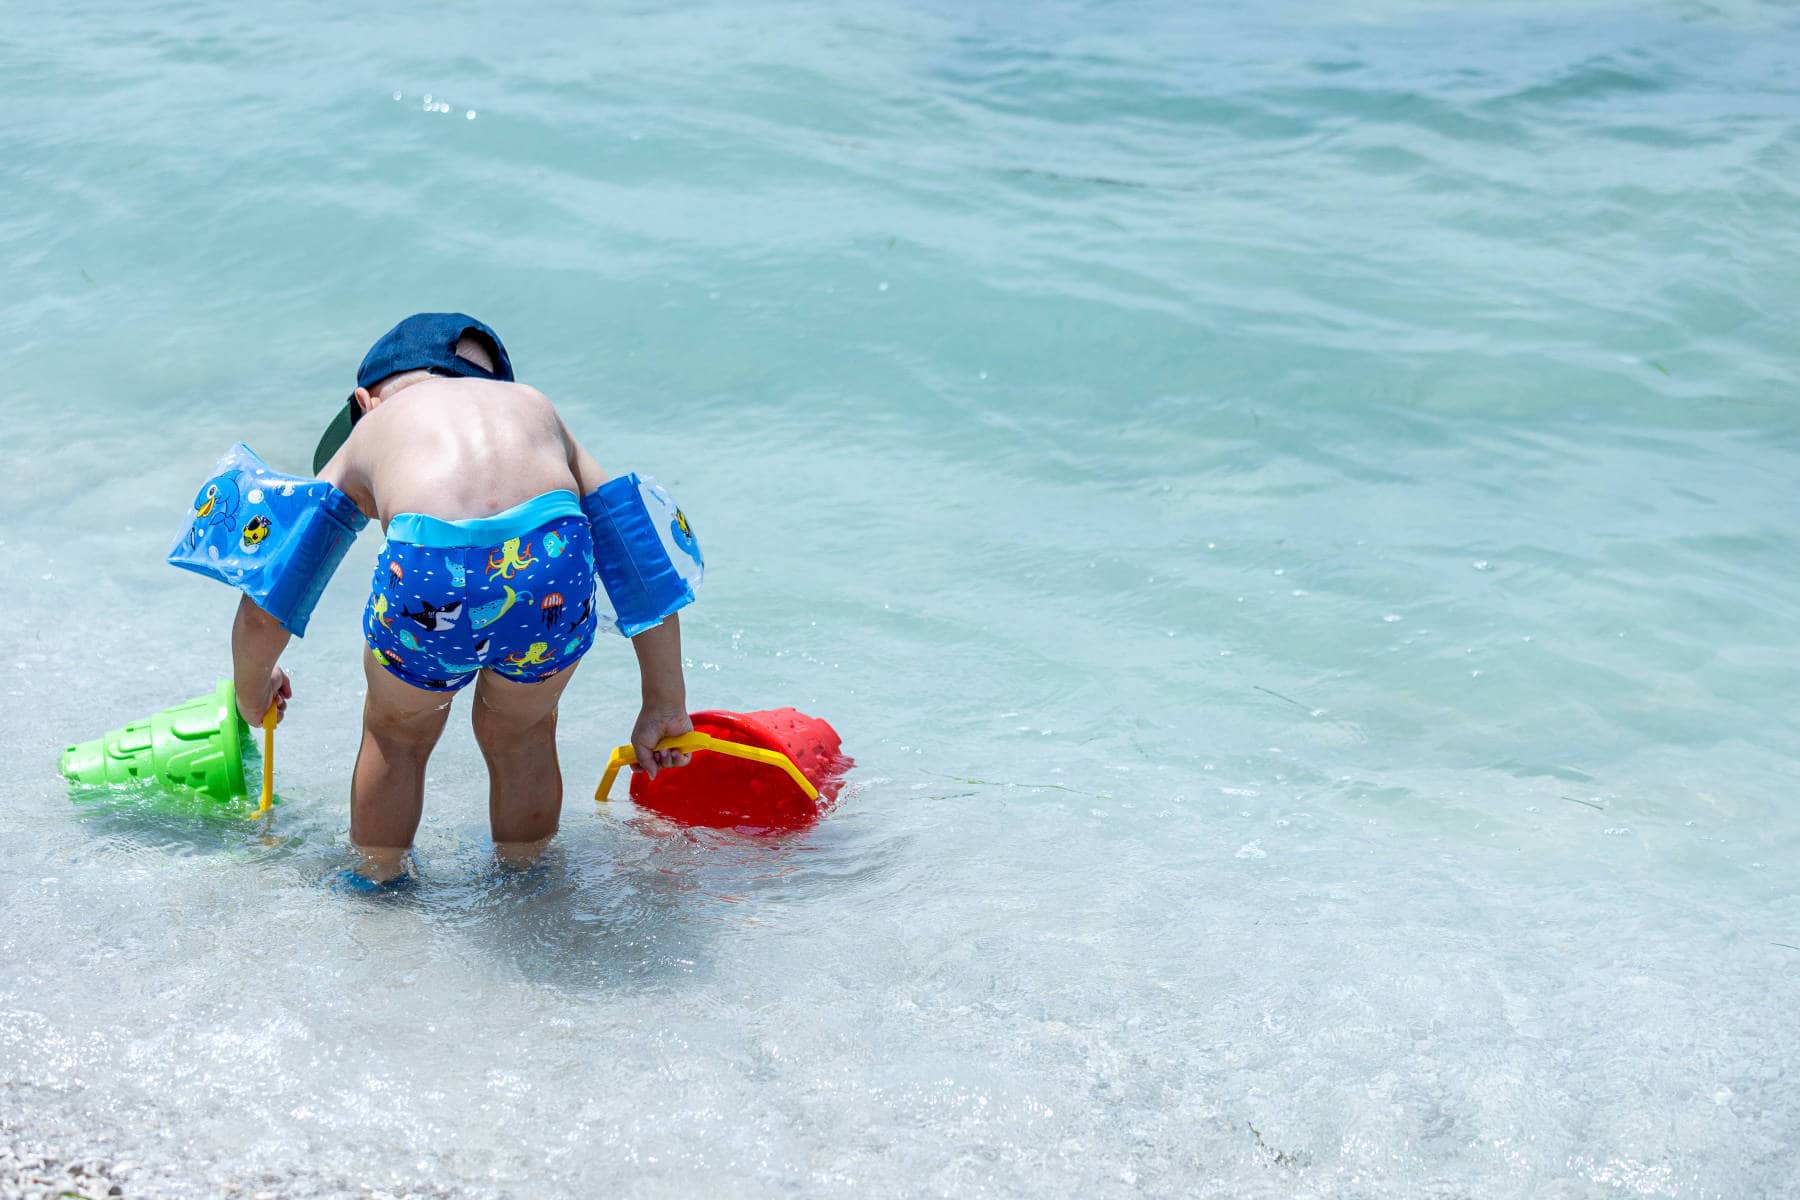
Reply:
x=653 y=725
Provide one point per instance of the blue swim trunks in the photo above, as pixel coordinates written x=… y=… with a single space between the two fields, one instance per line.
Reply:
x=512 y=593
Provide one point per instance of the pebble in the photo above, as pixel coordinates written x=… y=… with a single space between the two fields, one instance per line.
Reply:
x=34 y=1173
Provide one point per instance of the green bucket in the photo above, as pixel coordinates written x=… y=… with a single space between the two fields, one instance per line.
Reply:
x=197 y=746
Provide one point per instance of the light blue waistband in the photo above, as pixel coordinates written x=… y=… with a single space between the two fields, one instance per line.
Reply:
x=517 y=521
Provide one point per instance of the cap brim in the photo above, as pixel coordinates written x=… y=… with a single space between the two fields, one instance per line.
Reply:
x=336 y=434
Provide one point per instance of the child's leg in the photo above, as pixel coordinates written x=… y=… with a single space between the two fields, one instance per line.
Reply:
x=515 y=725
x=401 y=724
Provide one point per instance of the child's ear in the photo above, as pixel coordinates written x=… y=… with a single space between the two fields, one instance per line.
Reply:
x=364 y=401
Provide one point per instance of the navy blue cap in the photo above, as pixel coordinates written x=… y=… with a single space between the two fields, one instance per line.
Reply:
x=424 y=341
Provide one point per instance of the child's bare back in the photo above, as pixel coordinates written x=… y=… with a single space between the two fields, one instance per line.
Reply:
x=457 y=448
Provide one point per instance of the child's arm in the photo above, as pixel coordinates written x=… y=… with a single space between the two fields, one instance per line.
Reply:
x=664 y=713
x=583 y=466
x=257 y=640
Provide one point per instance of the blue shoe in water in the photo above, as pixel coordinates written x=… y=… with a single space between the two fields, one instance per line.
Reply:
x=516 y=879
x=348 y=883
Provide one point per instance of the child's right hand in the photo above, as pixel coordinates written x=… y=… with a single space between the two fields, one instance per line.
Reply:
x=252 y=705
x=653 y=725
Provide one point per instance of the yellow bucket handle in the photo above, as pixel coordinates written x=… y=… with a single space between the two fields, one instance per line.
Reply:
x=268 y=780
x=626 y=755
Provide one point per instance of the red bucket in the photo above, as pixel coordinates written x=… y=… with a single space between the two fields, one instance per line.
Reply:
x=723 y=792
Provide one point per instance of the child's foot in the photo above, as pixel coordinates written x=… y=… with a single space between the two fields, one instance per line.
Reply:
x=379 y=864
x=348 y=882
x=521 y=856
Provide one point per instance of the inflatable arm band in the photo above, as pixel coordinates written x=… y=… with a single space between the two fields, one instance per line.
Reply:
x=276 y=538
x=644 y=551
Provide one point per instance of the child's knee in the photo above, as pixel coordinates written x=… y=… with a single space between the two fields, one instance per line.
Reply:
x=402 y=735
x=497 y=730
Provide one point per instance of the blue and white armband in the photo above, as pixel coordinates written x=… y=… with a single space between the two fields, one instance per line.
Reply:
x=276 y=538
x=645 y=552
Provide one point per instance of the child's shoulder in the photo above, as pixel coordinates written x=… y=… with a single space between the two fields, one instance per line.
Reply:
x=514 y=394
x=500 y=398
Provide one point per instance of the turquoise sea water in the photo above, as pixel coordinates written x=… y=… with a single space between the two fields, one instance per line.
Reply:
x=1292 y=507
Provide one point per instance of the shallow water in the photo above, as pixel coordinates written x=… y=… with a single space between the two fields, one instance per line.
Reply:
x=1291 y=507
